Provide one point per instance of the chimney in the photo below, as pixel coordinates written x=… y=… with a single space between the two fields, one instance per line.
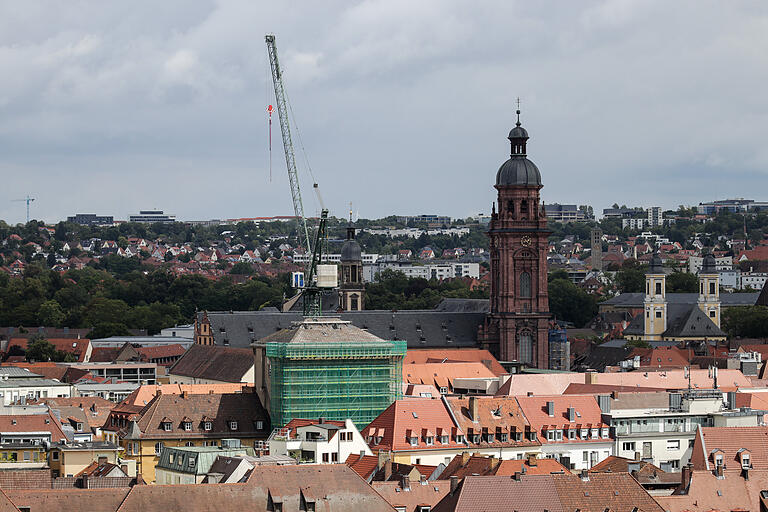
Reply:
x=550 y=408
x=494 y=462
x=590 y=377
x=584 y=475
x=516 y=476
x=383 y=456
x=362 y=455
x=454 y=484
x=158 y=392
x=102 y=460
x=530 y=393
x=571 y=414
x=387 y=469
x=184 y=394
x=465 y=456
x=321 y=420
x=423 y=479
x=405 y=482
x=532 y=461
x=473 y=408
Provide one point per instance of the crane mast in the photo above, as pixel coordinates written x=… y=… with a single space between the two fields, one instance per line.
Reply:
x=285 y=128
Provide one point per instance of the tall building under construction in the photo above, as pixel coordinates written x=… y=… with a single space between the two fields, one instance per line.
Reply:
x=327 y=367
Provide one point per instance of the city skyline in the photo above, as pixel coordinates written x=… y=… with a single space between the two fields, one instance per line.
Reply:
x=166 y=107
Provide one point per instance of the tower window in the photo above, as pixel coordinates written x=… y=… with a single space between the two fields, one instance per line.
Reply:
x=658 y=314
x=511 y=208
x=711 y=288
x=525 y=348
x=658 y=288
x=525 y=285
x=524 y=209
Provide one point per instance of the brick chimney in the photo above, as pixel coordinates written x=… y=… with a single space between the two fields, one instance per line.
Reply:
x=383 y=457
x=590 y=378
x=494 y=462
x=454 y=483
x=474 y=408
x=532 y=460
x=387 y=469
x=465 y=456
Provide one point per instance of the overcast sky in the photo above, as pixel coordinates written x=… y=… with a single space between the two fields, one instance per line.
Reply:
x=403 y=106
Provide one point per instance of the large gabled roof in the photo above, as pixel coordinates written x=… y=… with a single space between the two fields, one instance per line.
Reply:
x=211 y=362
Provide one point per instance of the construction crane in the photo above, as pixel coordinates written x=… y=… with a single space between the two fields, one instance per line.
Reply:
x=318 y=277
x=25 y=200
x=290 y=158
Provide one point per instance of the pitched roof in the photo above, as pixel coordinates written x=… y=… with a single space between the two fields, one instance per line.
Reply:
x=210 y=362
x=587 y=412
x=435 y=355
x=601 y=491
x=25 y=479
x=49 y=370
x=707 y=492
x=644 y=472
x=220 y=408
x=635 y=300
x=54 y=500
x=33 y=423
x=464 y=465
x=142 y=395
x=529 y=493
x=730 y=440
x=494 y=414
x=661 y=356
x=415 y=495
x=77 y=347
x=443 y=374
x=412 y=417
x=539 y=384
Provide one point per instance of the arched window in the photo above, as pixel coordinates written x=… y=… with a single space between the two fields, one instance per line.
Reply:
x=524 y=209
x=525 y=285
x=353 y=302
x=511 y=208
x=525 y=348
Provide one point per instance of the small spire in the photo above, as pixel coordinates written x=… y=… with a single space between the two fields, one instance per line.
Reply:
x=518 y=112
x=350 y=212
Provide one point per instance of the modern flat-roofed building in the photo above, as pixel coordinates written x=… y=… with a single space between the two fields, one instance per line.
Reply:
x=152 y=216
x=564 y=213
x=91 y=219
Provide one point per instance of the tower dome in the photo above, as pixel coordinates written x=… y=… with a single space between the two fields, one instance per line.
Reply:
x=709 y=265
x=518 y=170
x=351 y=251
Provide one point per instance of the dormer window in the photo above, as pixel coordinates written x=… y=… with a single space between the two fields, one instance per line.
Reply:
x=745 y=461
x=233 y=425
x=188 y=426
x=460 y=439
x=718 y=459
x=443 y=439
x=429 y=440
x=414 y=441
x=167 y=426
x=207 y=425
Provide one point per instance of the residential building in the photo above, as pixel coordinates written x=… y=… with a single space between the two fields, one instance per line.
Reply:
x=718 y=448
x=430 y=220
x=732 y=205
x=318 y=441
x=570 y=428
x=380 y=468
x=91 y=219
x=191 y=464
x=137 y=372
x=209 y=364
x=416 y=431
x=317 y=367
x=236 y=469
x=722 y=263
x=655 y=216
x=754 y=280
x=468 y=465
x=634 y=223
x=623 y=213
x=443 y=376
x=660 y=427
x=152 y=216
x=653 y=479
x=69 y=459
x=190 y=420
x=22 y=390
x=493 y=426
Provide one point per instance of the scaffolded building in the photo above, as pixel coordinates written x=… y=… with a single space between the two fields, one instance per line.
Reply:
x=327 y=367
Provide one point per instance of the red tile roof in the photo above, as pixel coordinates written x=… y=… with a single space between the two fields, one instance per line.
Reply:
x=707 y=493
x=730 y=440
x=33 y=423
x=587 y=413
x=663 y=357
x=464 y=465
x=291 y=428
x=415 y=495
x=435 y=355
x=412 y=417
x=441 y=375
x=494 y=416
x=77 y=347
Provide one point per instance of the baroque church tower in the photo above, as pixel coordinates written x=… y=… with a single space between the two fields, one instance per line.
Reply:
x=351 y=286
x=517 y=327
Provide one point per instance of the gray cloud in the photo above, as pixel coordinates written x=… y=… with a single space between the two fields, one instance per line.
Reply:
x=403 y=106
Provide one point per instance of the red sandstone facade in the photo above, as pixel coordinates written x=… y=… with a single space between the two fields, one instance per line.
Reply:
x=517 y=326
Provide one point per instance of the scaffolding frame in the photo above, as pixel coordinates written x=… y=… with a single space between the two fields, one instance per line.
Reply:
x=336 y=380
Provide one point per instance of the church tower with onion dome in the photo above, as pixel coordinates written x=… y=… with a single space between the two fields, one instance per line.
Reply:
x=517 y=326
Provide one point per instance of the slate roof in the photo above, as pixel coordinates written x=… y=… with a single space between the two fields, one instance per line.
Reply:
x=211 y=362
x=683 y=320
x=636 y=300
x=453 y=326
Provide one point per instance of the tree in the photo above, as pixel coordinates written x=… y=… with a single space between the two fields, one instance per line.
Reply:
x=40 y=349
x=630 y=279
x=746 y=322
x=50 y=314
x=108 y=329
x=637 y=344
x=682 y=282
x=243 y=268
x=570 y=303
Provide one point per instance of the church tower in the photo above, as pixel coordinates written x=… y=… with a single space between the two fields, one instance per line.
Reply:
x=351 y=286
x=709 y=289
x=518 y=320
x=655 y=303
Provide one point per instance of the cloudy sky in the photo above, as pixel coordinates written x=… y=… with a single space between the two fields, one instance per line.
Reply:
x=403 y=106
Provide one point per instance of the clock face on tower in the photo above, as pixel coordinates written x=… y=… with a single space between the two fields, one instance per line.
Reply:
x=526 y=241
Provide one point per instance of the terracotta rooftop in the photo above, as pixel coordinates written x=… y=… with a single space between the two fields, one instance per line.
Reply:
x=439 y=355
x=418 y=418
x=707 y=493
x=464 y=465
x=441 y=375
x=412 y=495
x=367 y=466
x=586 y=413
x=142 y=395
x=77 y=347
x=493 y=418
x=730 y=441
x=539 y=383
x=33 y=423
